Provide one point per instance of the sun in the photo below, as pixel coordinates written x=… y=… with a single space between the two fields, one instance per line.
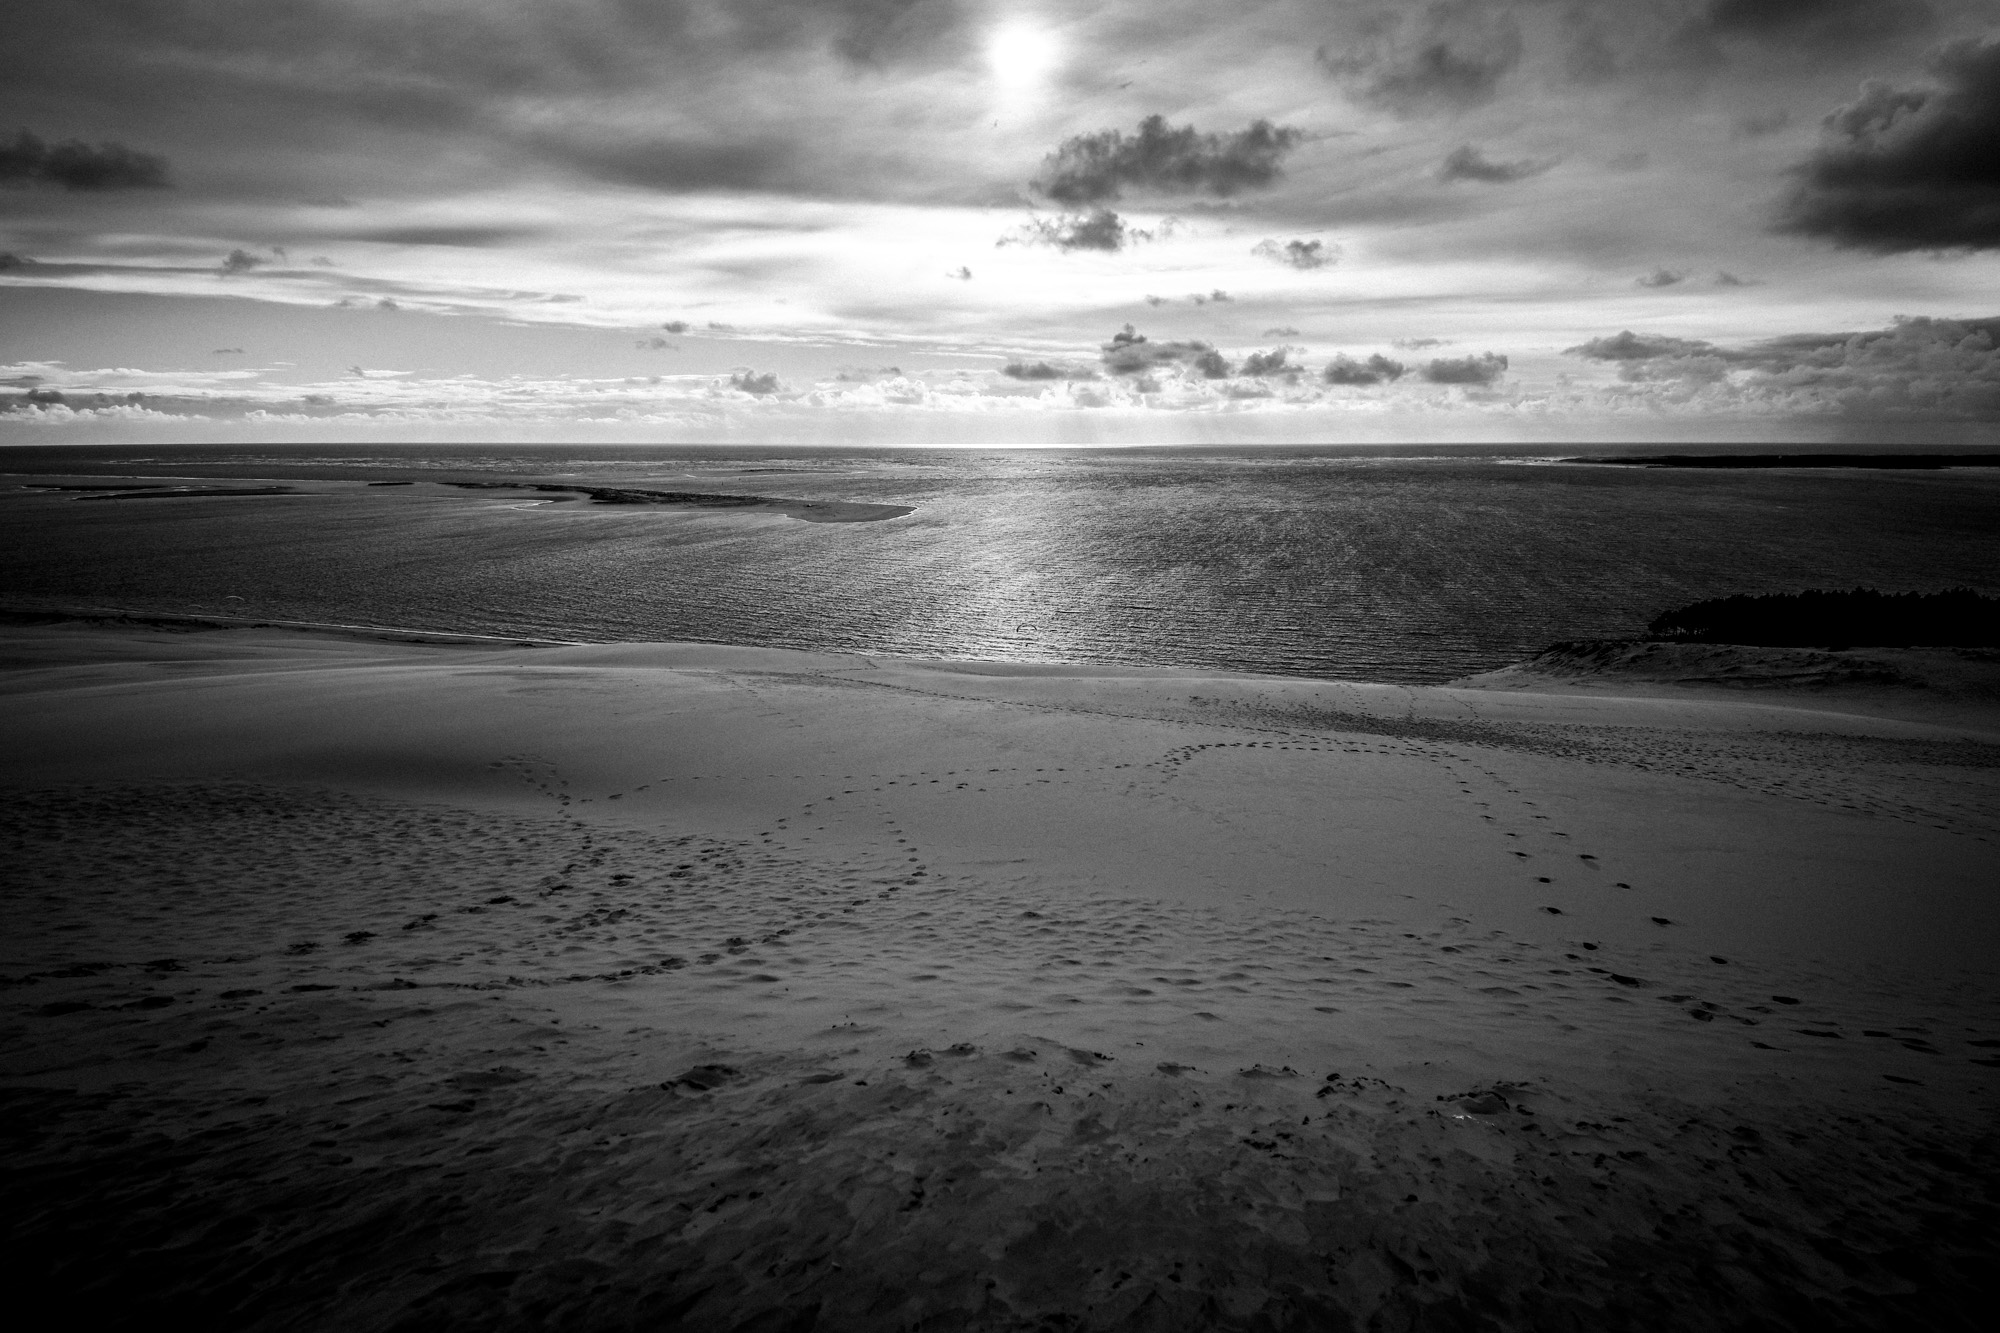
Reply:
x=1021 y=54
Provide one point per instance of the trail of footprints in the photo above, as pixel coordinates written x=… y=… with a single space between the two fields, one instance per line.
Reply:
x=1546 y=848
x=1951 y=785
x=443 y=899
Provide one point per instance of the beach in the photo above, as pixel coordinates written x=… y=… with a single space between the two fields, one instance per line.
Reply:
x=367 y=980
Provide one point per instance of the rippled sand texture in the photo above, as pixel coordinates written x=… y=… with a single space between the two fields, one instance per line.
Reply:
x=356 y=985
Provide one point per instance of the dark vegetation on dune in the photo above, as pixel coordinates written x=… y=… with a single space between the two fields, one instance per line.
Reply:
x=1825 y=618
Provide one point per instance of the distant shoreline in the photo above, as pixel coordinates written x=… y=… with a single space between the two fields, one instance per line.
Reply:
x=810 y=511
x=1898 y=462
x=192 y=622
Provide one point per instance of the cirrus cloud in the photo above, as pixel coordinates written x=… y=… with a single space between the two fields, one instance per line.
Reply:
x=1466 y=163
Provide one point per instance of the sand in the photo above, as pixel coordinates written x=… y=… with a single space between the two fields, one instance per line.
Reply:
x=360 y=983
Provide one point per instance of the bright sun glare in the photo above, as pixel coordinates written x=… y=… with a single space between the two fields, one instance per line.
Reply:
x=1021 y=54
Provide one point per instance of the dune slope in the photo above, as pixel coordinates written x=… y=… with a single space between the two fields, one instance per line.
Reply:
x=365 y=984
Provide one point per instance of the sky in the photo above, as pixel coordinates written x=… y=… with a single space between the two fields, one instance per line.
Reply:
x=1000 y=221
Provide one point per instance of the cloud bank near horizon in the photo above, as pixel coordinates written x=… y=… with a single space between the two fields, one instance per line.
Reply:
x=1916 y=370
x=1514 y=177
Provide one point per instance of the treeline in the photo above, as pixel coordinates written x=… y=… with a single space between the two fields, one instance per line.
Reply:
x=1832 y=618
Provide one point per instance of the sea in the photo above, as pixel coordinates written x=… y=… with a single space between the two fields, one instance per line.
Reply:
x=1415 y=566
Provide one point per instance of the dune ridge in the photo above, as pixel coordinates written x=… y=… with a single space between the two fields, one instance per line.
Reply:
x=370 y=984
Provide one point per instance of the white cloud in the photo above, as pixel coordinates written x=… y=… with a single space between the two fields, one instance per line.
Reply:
x=1946 y=372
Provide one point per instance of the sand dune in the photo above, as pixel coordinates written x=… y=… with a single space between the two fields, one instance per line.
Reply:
x=365 y=984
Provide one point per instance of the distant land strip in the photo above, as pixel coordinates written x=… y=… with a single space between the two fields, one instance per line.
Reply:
x=1917 y=462
x=196 y=622
x=812 y=511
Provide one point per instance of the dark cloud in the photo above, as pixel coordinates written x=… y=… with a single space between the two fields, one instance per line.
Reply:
x=78 y=166
x=1419 y=344
x=10 y=260
x=1661 y=277
x=1450 y=56
x=1630 y=346
x=675 y=326
x=1100 y=229
x=1916 y=365
x=1466 y=163
x=655 y=343
x=1131 y=353
x=1727 y=279
x=238 y=261
x=962 y=273
x=1805 y=350
x=1298 y=254
x=1910 y=169
x=326 y=96
x=1094 y=168
x=1466 y=369
x=758 y=386
x=1825 y=24
x=470 y=238
x=1203 y=298
x=1274 y=362
x=1043 y=370
x=1282 y=331
x=1377 y=369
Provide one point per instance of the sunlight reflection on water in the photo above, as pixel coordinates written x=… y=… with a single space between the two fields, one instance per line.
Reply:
x=1295 y=563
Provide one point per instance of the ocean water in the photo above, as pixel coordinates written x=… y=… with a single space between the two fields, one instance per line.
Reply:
x=1315 y=562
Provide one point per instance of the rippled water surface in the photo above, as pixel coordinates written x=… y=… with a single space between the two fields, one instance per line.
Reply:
x=1296 y=562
